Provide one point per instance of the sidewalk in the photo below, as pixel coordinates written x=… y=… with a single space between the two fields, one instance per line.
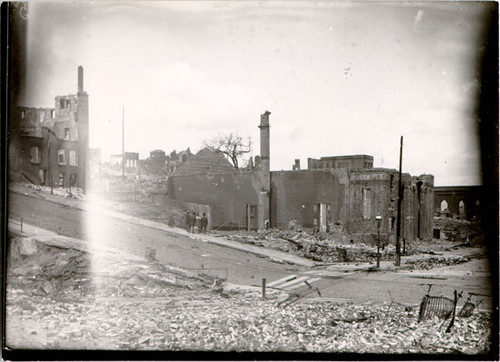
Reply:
x=94 y=207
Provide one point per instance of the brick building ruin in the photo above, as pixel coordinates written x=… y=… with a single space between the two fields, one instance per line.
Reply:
x=346 y=162
x=348 y=194
x=459 y=202
x=49 y=146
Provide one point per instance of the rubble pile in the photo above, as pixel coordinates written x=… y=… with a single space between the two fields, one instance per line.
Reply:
x=105 y=299
x=333 y=247
x=321 y=247
x=73 y=192
x=73 y=273
x=436 y=262
x=48 y=270
x=461 y=230
x=235 y=322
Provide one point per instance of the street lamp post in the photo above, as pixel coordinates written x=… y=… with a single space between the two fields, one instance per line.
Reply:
x=378 y=219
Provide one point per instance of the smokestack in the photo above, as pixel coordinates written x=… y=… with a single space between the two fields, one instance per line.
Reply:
x=80 y=79
x=264 y=141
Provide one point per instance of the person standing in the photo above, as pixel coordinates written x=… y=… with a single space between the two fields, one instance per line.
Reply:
x=187 y=221
x=197 y=224
x=204 y=223
x=192 y=222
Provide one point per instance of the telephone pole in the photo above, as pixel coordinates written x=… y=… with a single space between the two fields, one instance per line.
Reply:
x=400 y=196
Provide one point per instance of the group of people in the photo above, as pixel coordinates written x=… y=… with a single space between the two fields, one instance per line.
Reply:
x=196 y=223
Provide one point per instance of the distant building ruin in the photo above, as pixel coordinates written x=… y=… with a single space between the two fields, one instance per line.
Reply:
x=459 y=202
x=131 y=160
x=344 y=162
x=345 y=191
x=49 y=146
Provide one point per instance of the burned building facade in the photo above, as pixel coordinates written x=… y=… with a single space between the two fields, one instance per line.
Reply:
x=49 y=146
x=352 y=199
x=344 y=162
x=131 y=160
x=461 y=202
x=326 y=194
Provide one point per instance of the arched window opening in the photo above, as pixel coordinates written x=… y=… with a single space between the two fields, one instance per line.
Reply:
x=461 y=209
x=444 y=206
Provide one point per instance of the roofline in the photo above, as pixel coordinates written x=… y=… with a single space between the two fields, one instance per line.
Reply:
x=345 y=156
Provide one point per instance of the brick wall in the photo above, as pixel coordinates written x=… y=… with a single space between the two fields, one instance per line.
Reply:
x=226 y=194
x=370 y=195
x=293 y=194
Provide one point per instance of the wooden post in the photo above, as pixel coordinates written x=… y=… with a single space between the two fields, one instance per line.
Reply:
x=263 y=288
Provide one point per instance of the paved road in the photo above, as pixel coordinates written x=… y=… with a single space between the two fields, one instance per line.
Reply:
x=245 y=268
x=171 y=249
x=406 y=288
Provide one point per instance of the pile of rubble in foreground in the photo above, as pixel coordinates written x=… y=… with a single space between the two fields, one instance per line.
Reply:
x=71 y=298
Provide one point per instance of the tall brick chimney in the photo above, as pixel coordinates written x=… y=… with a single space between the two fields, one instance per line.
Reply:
x=264 y=141
x=82 y=119
x=80 y=79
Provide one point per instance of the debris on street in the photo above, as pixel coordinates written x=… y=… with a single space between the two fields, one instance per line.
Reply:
x=84 y=298
x=334 y=247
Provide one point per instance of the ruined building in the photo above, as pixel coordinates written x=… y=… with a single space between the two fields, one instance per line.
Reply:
x=49 y=146
x=459 y=202
x=347 y=162
x=344 y=191
x=131 y=160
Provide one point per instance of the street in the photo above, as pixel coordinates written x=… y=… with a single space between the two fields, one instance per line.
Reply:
x=171 y=249
x=245 y=268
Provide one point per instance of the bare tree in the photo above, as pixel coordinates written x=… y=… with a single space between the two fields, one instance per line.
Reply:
x=230 y=145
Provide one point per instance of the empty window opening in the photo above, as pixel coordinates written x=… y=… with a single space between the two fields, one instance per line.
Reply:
x=444 y=206
x=66 y=133
x=61 y=179
x=42 y=176
x=73 y=161
x=367 y=204
x=72 y=180
x=35 y=155
x=23 y=114
x=252 y=222
x=461 y=209
x=61 y=157
x=321 y=217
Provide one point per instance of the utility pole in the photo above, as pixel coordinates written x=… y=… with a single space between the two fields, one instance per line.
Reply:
x=123 y=142
x=49 y=160
x=400 y=196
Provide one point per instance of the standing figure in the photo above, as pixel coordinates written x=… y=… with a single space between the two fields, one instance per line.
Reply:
x=204 y=223
x=187 y=221
x=197 y=225
x=192 y=223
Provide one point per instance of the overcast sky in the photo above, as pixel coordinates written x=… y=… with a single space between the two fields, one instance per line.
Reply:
x=339 y=78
